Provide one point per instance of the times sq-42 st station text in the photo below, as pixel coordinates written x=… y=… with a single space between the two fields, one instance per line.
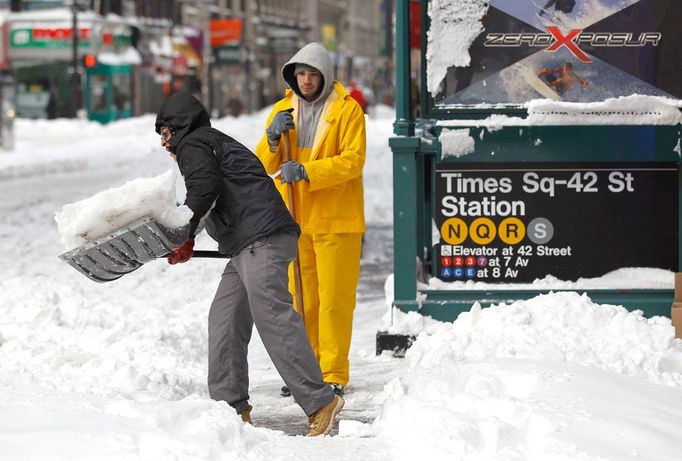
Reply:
x=454 y=204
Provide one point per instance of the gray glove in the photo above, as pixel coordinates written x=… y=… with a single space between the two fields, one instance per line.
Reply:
x=292 y=171
x=281 y=122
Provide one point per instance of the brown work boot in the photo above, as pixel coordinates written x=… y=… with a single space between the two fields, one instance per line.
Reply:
x=322 y=421
x=246 y=415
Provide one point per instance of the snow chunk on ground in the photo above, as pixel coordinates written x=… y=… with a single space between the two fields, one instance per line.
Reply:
x=103 y=213
x=455 y=24
x=456 y=143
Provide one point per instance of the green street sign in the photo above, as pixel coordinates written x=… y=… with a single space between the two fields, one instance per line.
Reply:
x=228 y=54
x=47 y=38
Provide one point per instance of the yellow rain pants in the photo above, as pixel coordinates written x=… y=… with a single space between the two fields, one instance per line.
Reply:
x=330 y=269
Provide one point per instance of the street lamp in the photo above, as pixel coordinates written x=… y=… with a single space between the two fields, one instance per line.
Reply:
x=76 y=97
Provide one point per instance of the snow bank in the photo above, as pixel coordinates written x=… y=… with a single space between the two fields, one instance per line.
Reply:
x=106 y=211
x=67 y=145
x=512 y=381
x=560 y=327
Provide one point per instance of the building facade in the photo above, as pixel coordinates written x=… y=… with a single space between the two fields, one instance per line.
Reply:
x=227 y=52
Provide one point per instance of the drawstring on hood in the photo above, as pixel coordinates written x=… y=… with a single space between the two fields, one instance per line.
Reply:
x=183 y=113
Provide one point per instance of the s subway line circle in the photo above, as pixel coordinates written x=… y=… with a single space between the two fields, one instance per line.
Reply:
x=540 y=231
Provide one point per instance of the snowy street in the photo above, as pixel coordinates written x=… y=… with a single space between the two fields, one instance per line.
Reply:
x=63 y=321
x=118 y=370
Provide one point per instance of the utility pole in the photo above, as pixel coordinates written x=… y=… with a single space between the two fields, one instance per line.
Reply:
x=205 y=20
x=76 y=100
x=200 y=13
x=313 y=20
x=252 y=68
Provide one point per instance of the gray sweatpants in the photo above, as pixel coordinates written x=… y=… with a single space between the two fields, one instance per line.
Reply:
x=254 y=289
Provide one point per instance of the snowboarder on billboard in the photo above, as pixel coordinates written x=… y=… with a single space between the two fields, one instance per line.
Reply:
x=554 y=16
x=562 y=78
x=565 y=6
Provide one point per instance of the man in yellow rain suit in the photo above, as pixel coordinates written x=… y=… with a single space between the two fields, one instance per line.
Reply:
x=327 y=145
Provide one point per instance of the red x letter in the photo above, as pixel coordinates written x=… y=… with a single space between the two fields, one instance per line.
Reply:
x=567 y=41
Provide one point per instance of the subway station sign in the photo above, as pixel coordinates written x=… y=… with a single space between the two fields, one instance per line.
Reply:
x=517 y=222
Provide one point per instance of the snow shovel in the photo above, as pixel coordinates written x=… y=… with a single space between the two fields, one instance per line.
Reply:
x=298 y=286
x=128 y=248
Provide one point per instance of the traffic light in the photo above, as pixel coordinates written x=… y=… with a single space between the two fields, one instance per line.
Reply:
x=89 y=61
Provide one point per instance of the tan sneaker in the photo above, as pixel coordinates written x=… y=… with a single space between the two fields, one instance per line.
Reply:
x=322 y=421
x=246 y=415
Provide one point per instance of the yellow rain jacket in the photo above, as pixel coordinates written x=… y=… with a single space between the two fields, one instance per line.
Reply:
x=332 y=200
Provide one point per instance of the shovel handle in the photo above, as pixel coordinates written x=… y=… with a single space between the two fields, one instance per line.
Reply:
x=207 y=254
x=298 y=285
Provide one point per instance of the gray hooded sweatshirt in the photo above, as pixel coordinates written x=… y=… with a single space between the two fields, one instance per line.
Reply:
x=313 y=55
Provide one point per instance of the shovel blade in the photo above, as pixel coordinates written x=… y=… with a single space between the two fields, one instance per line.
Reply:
x=111 y=257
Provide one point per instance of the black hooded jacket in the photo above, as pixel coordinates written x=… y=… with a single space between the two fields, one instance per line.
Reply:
x=216 y=168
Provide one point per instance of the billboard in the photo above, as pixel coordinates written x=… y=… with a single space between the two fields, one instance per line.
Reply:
x=224 y=32
x=570 y=50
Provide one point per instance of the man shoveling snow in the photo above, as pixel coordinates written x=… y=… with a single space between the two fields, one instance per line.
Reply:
x=229 y=191
x=250 y=222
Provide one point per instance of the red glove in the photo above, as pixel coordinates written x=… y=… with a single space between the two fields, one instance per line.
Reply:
x=182 y=254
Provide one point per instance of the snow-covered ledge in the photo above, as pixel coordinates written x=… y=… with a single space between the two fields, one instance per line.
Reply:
x=635 y=109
